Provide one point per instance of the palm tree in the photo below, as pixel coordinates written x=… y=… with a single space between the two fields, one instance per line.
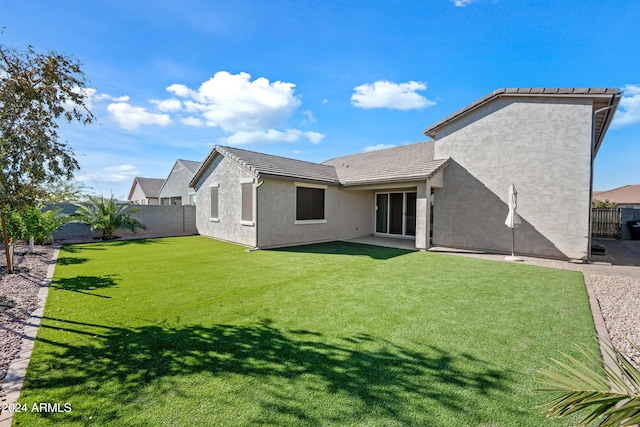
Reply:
x=107 y=215
x=610 y=391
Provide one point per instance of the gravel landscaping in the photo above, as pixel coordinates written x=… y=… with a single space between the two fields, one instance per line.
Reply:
x=19 y=298
x=619 y=299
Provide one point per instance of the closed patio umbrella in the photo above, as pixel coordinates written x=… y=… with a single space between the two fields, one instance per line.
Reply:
x=513 y=220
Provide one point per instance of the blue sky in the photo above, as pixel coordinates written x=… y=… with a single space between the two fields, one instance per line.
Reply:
x=318 y=79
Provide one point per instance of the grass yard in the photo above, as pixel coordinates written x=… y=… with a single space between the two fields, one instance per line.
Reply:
x=192 y=331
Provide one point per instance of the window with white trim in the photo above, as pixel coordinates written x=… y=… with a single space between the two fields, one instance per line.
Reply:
x=309 y=203
x=247 y=201
x=214 y=201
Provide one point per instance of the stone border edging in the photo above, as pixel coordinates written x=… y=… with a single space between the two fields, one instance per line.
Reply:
x=601 y=328
x=17 y=371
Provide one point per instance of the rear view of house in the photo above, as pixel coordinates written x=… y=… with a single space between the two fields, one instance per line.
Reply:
x=268 y=201
x=451 y=191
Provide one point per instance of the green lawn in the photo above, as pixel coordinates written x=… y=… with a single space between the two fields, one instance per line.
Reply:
x=192 y=331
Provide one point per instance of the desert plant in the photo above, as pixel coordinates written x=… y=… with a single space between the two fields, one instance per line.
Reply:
x=107 y=215
x=611 y=392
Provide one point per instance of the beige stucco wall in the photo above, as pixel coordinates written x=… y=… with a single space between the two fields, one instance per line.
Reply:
x=348 y=214
x=545 y=150
x=228 y=226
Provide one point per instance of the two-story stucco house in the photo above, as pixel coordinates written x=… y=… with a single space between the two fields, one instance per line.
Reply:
x=175 y=190
x=451 y=191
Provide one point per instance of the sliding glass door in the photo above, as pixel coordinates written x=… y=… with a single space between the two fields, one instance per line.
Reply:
x=382 y=213
x=396 y=213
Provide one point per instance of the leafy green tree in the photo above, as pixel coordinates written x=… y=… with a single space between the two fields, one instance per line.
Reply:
x=611 y=392
x=36 y=91
x=107 y=215
x=37 y=224
x=63 y=191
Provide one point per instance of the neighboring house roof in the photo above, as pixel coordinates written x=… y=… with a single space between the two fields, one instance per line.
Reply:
x=267 y=164
x=150 y=186
x=190 y=165
x=626 y=195
x=405 y=163
x=603 y=98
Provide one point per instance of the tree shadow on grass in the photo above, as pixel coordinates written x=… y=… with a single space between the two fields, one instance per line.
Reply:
x=85 y=284
x=67 y=260
x=75 y=248
x=347 y=248
x=386 y=379
x=118 y=241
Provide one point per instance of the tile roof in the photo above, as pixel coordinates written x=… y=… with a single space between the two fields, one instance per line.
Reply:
x=191 y=165
x=267 y=164
x=404 y=163
x=603 y=97
x=626 y=195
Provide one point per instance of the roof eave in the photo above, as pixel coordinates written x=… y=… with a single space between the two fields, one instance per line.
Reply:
x=299 y=178
x=610 y=111
x=407 y=179
x=203 y=166
x=133 y=186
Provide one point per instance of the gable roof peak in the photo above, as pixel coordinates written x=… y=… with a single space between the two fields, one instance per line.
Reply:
x=271 y=165
x=605 y=101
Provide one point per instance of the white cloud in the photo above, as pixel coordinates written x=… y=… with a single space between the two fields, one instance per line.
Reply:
x=629 y=110
x=236 y=104
x=248 y=110
x=271 y=136
x=192 y=121
x=123 y=98
x=91 y=96
x=110 y=175
x=180 y=90
x=309 y=118
x=386 y=94
x=378 y=147
x=463 y=3
x=167 y=104
x=95 y=96
x=131 y=118
x=314 y=137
